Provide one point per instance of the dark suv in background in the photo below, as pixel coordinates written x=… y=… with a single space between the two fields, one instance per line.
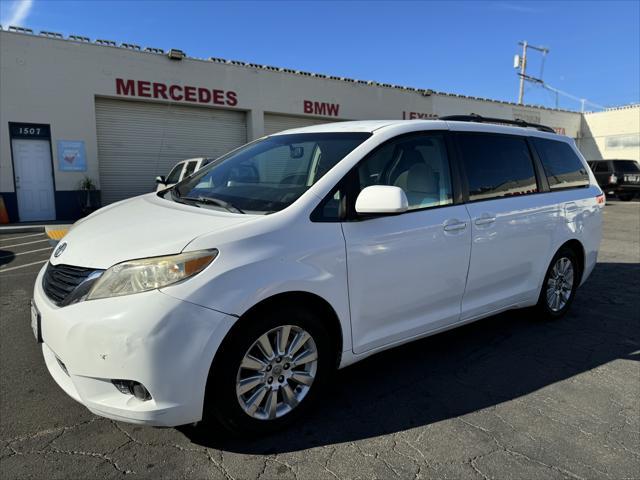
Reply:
x=617 y=177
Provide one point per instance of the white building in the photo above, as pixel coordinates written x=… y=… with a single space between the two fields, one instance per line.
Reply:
x=71 y=108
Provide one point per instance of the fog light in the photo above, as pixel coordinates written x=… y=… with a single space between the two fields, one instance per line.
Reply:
x=140 y=392
x=130 y=387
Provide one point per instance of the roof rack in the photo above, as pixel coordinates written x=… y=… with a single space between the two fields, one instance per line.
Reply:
x=480 y=119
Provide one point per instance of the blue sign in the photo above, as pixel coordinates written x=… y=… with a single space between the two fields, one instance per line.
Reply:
x=71 y=156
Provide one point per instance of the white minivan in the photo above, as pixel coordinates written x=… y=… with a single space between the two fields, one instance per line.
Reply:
x=235 y=294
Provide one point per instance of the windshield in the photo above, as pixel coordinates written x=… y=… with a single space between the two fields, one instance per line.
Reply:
x=626 y=166
x=267 y=175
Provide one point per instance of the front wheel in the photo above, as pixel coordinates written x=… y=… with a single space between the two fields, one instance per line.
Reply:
x=560 y=285
x=269 y=371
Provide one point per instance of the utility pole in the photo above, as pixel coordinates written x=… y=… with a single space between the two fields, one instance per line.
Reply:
x=522 y=63
x=523 y=71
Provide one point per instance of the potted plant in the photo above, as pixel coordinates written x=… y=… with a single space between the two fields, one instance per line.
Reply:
x=87 y=185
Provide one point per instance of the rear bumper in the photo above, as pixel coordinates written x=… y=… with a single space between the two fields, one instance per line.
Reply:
x=164 y=343
x=624 y=188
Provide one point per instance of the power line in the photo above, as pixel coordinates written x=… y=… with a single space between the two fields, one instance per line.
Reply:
x=583 y=101
x=521 y=63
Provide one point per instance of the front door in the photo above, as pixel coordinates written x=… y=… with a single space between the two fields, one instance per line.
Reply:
x=407 y=272
x=33 y=176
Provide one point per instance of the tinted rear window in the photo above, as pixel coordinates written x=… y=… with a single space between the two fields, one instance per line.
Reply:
x=497 y=166
x=561 y=164
x=601 y=167
x=626 y=166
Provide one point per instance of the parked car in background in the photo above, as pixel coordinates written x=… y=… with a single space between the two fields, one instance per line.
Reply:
x=617 y=177
x=182 y=170
x=235 y=294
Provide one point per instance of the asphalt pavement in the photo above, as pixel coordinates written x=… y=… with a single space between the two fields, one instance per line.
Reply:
x=506 y=397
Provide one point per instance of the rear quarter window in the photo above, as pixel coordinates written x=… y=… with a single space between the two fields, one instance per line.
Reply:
x=563 y=167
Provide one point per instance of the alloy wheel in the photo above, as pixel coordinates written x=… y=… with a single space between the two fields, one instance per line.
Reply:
x=277 y=372
x=560 y=284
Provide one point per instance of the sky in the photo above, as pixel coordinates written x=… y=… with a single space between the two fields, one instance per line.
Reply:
x=463 y=47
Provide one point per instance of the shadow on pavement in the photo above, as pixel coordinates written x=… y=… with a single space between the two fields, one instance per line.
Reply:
x=6 y=256
x=464 y=370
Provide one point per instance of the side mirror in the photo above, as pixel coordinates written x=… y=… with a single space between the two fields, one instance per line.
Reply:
x=382 y=199
x=160 y=179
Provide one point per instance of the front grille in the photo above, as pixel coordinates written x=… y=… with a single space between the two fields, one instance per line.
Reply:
x=61 y=281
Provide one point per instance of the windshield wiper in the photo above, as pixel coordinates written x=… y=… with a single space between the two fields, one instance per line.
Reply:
x=212 y=201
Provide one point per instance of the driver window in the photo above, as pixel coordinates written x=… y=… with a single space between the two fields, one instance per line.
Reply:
x=417 y=164
x=174 y=176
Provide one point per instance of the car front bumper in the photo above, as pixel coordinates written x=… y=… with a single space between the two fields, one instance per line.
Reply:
x=164 y=343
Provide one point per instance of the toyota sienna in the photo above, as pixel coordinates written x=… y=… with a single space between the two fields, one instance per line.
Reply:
x=235 y=294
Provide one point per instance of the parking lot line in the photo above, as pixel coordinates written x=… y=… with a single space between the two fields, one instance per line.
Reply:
x=21 y=237
x=25 y=243
x=2 y=270
x=24 y=253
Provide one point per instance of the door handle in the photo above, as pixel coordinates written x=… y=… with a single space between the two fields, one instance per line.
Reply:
x=454 y=225
x=485 y=220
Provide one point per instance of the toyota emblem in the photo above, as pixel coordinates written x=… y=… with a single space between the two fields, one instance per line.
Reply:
x=59 y=249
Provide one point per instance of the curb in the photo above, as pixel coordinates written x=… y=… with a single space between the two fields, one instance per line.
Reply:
x=23 y=229
x=56 y=232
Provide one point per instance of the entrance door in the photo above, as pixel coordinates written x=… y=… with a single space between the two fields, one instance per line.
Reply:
x=33 y=179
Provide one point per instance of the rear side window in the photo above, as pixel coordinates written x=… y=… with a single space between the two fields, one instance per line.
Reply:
x=497 y=166
x=601 y=167
x=626 y=166
x=561 y=164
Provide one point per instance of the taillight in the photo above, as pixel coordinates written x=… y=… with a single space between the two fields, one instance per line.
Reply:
x=600 y=199
x=613 y=179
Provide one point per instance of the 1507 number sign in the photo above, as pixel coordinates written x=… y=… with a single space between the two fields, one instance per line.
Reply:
x=29 y=130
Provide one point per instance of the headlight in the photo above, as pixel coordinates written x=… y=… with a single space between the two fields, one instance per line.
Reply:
x=135 y=276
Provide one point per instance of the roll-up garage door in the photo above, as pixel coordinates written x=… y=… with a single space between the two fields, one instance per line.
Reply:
x=139 y=140
x=276 y=123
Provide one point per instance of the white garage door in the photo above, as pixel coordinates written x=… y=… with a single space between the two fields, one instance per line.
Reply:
x=276 y=123
x=138 y=141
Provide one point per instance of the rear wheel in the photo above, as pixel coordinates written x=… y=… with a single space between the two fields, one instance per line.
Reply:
x=560 y=284
x=269 y=371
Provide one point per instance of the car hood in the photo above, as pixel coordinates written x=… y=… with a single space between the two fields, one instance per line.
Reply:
x=140 y=227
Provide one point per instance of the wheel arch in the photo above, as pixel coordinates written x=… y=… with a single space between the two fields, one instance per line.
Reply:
x=578 y=249
x=307 y=300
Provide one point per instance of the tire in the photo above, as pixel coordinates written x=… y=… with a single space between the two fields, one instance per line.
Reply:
x=555 y=305
x=227 y=379
x=626 y=197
